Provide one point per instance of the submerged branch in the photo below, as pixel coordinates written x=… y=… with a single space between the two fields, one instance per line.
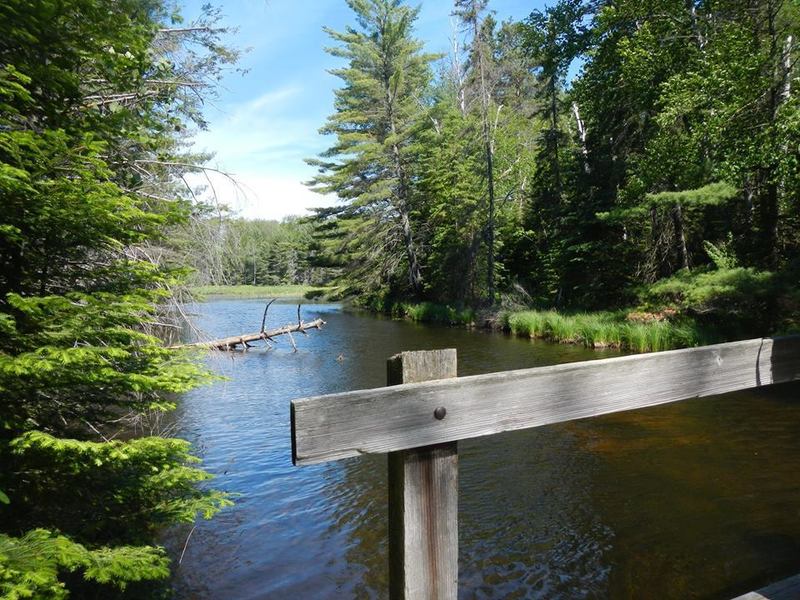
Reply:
x=230 y=343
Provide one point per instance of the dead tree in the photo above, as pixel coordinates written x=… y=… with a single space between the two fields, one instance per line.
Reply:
x=244 y=340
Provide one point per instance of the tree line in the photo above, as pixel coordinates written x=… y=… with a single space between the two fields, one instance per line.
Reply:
x=593 y=155
x=224 y=250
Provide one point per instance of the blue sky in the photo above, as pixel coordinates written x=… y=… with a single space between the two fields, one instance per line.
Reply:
x=265 y=122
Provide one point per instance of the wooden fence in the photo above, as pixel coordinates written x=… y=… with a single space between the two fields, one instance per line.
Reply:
x=426 y=409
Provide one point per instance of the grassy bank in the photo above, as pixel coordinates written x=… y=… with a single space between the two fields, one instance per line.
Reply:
x=592 y=330
x=260 y=291
x=605 y=330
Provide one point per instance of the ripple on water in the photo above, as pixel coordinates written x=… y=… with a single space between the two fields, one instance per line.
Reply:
x=696 y=499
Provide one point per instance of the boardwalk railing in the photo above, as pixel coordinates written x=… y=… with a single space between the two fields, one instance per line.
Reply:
x=426 y=409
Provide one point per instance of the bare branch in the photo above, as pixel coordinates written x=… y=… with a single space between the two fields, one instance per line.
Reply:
x=264 y=318
x=179 y=30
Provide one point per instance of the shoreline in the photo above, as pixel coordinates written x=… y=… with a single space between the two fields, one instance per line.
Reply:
x=624 y=330
x=304 y=292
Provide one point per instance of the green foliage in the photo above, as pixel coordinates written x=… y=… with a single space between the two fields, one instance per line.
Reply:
x=722 y=255
x=131 y=488
x=83 y=356
x=668 y=151
x=450 y=175
x=429 y=312
x=377 y=115
x=713 y=194
x=225 y=251
x=88 y=129
x=30 y=565
x=735 y=293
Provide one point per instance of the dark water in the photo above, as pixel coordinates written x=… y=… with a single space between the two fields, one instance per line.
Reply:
x=699 y=499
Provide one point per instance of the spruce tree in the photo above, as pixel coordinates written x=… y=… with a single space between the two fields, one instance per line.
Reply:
x=90 y=93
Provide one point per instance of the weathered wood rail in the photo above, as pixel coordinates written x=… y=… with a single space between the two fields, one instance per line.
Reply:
x=419 y=422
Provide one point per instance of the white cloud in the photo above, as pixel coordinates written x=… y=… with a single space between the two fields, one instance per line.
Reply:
x=250 y=133
x=262 y=143
x=269 y=99
x=255 y=196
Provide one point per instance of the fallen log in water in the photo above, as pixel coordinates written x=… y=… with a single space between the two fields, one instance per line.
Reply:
x=230 y=343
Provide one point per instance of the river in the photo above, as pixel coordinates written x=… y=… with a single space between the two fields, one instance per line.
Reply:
x=699 y=499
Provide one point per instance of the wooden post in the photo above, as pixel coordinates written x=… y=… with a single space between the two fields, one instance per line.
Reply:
x=423 y=496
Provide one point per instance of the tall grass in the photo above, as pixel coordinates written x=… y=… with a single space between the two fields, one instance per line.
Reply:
x=593 y=330
x=602 y=330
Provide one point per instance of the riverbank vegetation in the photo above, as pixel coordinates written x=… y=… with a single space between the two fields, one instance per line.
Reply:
x=604 y=330
x=635 y=331
x=427 y=312
x=95 y=100
x=627 y=158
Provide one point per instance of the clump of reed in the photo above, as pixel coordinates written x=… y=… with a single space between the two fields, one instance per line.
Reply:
x=602 y=330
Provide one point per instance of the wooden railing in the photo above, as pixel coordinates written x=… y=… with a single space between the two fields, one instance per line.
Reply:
x=426 y=409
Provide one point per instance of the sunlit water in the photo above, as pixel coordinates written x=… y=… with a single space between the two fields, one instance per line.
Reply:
x=700 y=499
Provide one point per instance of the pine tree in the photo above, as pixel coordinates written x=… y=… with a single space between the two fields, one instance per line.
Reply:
x=470 y=11
x=377 y=114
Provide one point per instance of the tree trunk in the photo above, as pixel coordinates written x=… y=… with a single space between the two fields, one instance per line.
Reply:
x=414 y=272
x=490 y=225
x=768 y=219
x=769 y=212
x=786 y=92
x=487 y=141
x=402 y=201
x=677 y=219
x=458 y=75
x=554 y=138
x=232 y=342
x=698 y=34
x=582 y=136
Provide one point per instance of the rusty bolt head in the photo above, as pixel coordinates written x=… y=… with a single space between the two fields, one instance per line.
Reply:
x=440 y=412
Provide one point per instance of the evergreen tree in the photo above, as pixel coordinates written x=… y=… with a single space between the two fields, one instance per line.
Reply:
x=671 y=142
x=480 y=67
x=378 y=112
x=90 y=92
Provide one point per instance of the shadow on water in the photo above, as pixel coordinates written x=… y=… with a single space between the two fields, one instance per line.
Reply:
x=695 y=499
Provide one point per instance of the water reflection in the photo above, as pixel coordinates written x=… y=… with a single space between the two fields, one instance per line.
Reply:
x=528 y=526
x=704 y=496
x=360 y=509
x=695 y=499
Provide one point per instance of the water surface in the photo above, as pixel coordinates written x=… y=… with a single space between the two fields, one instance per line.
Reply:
x=699 y=499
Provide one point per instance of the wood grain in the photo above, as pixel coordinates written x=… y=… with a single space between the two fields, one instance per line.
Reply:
x=423 y=498
x=400 y=417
